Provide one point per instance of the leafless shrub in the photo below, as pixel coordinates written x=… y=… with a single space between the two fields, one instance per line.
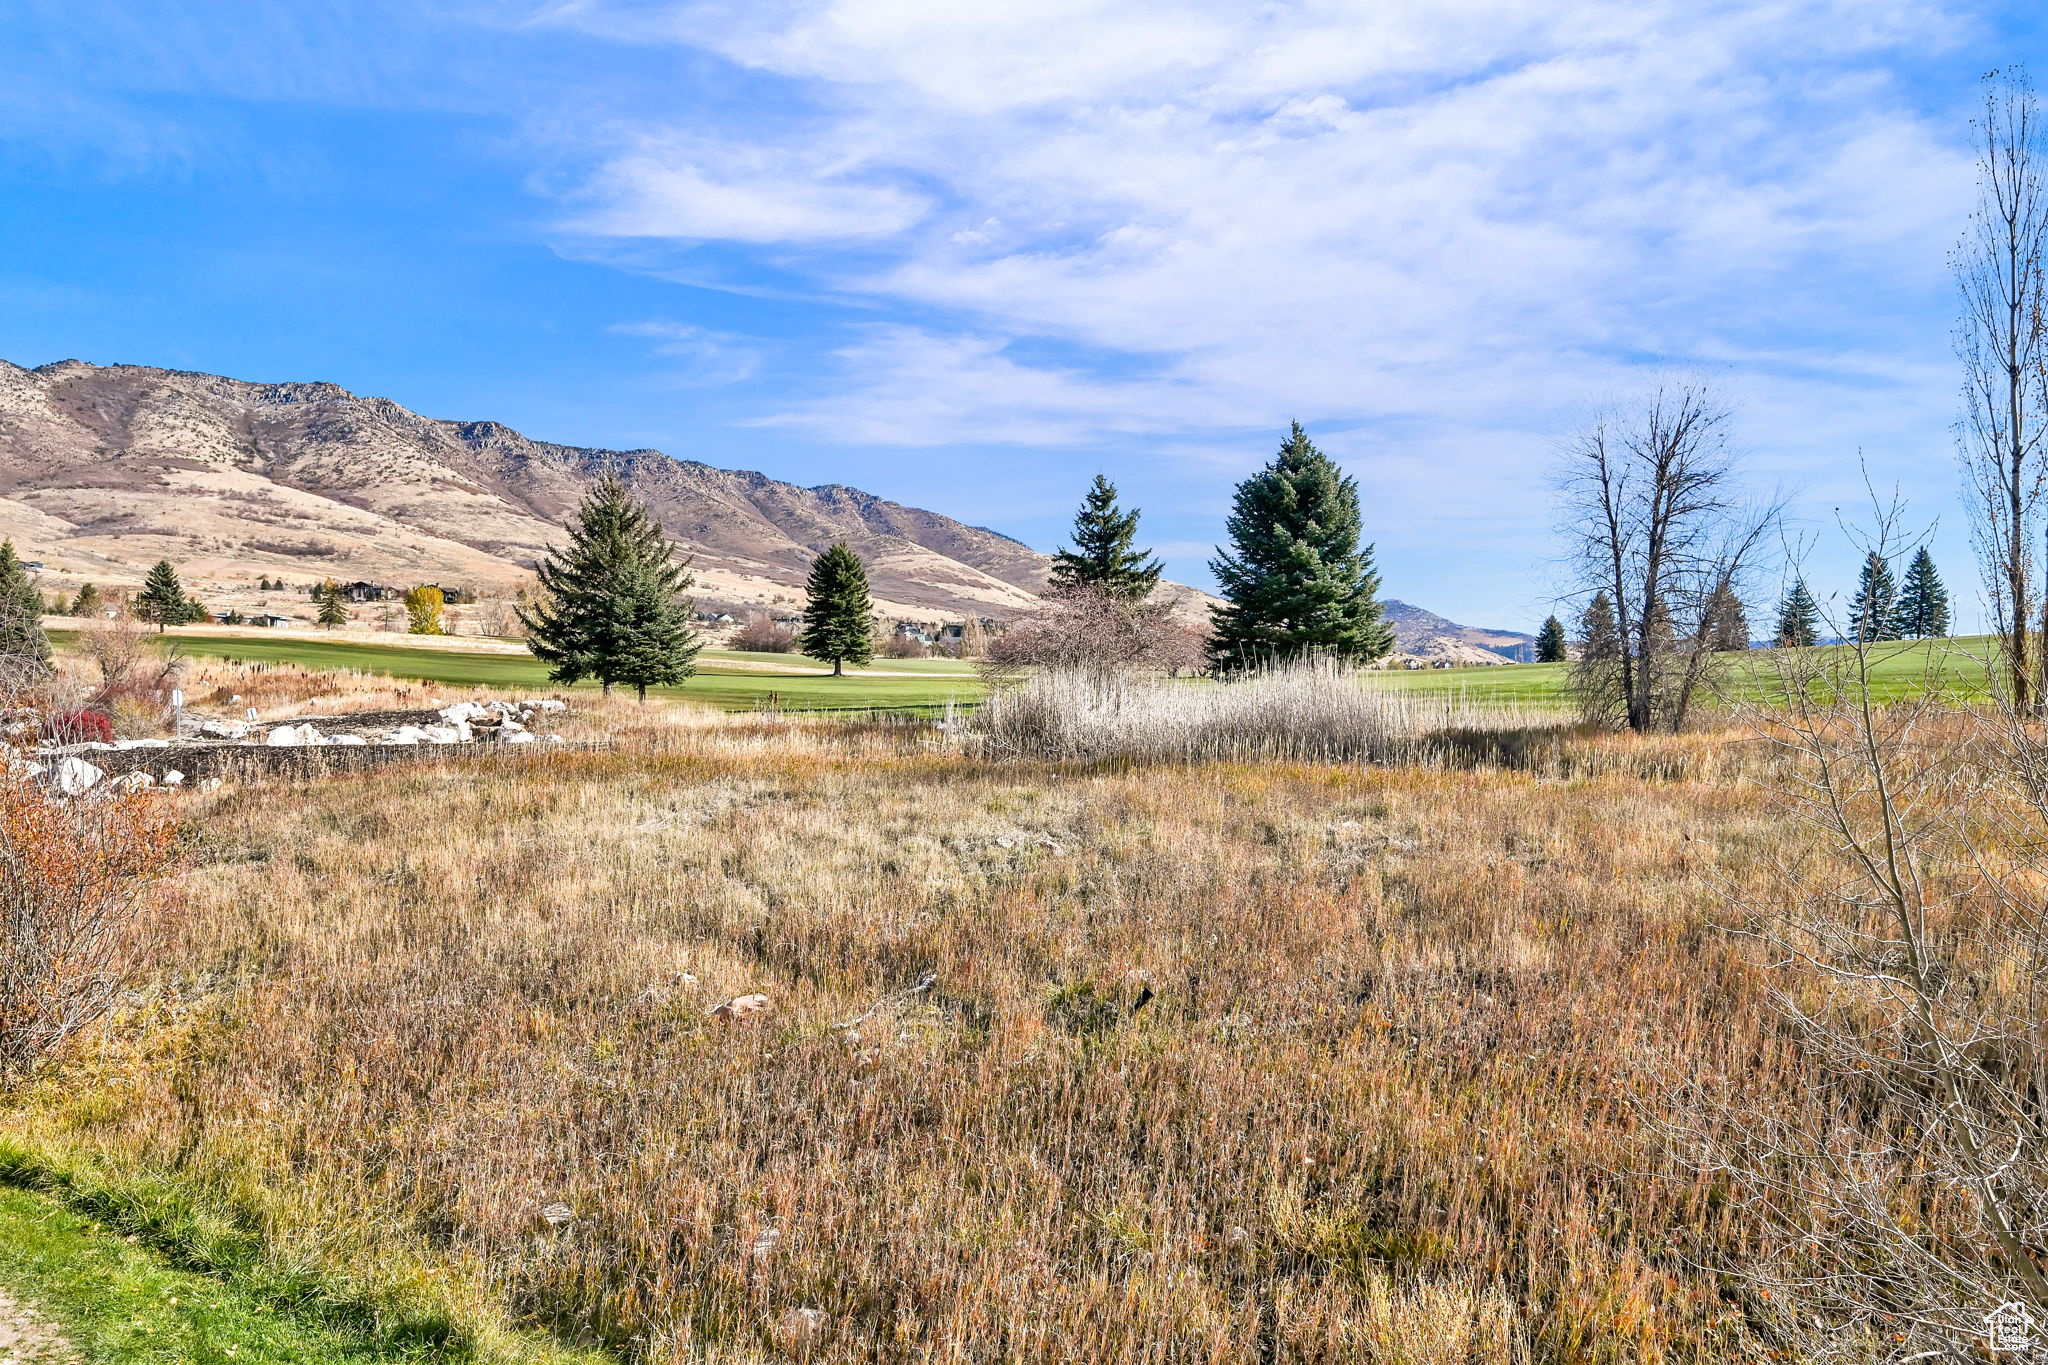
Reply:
x=71 y=872
x=903 y=646
x=1085 y=630
x=765 y=637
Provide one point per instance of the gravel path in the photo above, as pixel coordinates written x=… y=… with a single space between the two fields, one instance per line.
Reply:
x=24 y=1337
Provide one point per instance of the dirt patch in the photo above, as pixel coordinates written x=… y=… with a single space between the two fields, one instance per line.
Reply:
x=26 y=1337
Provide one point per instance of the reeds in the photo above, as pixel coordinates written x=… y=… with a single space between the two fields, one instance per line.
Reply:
x=1309 y=710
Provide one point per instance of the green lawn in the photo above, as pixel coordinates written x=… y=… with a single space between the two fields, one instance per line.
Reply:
x=115 y=1301
x=1897 y=670
x=728 y=688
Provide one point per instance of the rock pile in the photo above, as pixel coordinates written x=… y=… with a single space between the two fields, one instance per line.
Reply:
x=68 y=770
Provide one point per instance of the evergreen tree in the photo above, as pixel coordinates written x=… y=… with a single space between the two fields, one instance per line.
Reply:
x=1596 y=675
x=1295 y=578
x=1871 y=612
x=1550 y=642
x=1922 y=610
x=1102 y=555
x=333 y=608
x=1798 y=618
x=837 y=629
x=1727 y=621
x=87 y=603
x=21 y=612
x=609 y=603
x=162 y=599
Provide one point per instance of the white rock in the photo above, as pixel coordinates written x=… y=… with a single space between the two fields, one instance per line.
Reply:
x=74 y=776
x=520 y=737
x=130 y=782
x=407 y=734
x=346 y=739
x=289 y=736
x=142 y=744
x=443 y=734
x=224 y=729
x=545 y=704
x=462 y=711
x=207 y=784
x=173 y=778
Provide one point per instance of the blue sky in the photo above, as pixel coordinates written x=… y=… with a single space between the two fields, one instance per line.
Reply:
x=967 y=255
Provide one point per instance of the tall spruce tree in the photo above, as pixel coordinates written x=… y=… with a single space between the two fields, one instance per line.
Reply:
x=162 y=599
x=1295 y=579
x=1102 y=556
x=1922 y=610
x=609 y=605
x=837 y=625
x=1872 y=612
x=87 y=603
x=1551 y=647
x=21 y=613
x=1798 y=618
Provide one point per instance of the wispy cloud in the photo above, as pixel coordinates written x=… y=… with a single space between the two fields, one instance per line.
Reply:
x=703 y=356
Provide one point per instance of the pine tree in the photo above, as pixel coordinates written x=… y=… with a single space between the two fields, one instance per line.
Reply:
x=87 y=603
x=1102 y=555
x=837 y=629
x=1295 y=579
x=333 y=610
x=162 y=599
x=1596 y=675
x=609 y=603
x=1922 y=610
x=1550 y=642
x=1727 y=621
x=21 y=613
x=1875 y=603
x=1798 y=618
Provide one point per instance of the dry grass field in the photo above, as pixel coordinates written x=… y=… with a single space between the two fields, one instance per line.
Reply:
x=1218 y=1062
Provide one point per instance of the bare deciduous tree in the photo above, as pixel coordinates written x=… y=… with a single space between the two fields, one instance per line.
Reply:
x=2000 y=340
x=1092 y=630
x=1654 y=520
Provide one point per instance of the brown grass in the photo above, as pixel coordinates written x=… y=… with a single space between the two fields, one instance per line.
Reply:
x=1384 y=1102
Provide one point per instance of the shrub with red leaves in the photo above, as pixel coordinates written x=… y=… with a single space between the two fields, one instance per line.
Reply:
x=79 y=727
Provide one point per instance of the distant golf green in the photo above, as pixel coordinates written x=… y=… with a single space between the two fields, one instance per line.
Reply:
x=1897 y=669
x=726 y=687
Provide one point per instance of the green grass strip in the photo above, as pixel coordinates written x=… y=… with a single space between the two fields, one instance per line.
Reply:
x=140 y=1270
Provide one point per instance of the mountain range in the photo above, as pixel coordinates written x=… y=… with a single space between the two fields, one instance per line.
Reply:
x=105 y=469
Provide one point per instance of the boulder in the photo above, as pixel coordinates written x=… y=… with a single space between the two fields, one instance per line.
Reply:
x=142 y=744
x=741 y=1007
x=407 y=734
x=290 y=736
x=346 y=739
x=173 y=778
x=444 y=734
x=224 y=729
x=74 y=776
x=132 y=782
x=520 y=737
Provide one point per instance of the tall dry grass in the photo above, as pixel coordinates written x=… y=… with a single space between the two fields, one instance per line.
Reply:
x=1226 y=1061
x=1314 y=709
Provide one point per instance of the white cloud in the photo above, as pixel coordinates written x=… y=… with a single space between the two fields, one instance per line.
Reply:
x=705 y=356
x=1431 y=227
x=680 y=187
